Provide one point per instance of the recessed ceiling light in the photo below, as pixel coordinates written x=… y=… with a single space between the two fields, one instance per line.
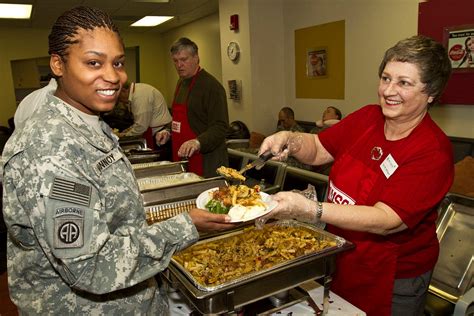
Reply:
x=15 y=11
x=152 y=20
x=153 y=1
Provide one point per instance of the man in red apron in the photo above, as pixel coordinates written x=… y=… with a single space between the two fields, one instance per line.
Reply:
x=200 y=115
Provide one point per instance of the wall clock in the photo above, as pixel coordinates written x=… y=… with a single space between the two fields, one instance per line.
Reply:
x=233 y=51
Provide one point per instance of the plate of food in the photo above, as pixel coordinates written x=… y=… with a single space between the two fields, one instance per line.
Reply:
x=240 y=202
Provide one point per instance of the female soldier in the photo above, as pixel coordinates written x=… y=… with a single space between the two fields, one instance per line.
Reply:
x=78 y=242
x=392 y=165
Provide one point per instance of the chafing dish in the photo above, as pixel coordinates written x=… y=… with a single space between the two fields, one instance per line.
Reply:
x=143 y=155
x=232 y=295
x=453 y=273
x=166 y=180
x=161 y=212
x=132 y=142
x=157 y=168
x=173 y=200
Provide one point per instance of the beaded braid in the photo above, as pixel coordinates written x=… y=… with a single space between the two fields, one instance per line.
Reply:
x=66 y=26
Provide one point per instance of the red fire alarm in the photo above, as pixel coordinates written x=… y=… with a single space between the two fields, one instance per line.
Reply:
x=234 y=22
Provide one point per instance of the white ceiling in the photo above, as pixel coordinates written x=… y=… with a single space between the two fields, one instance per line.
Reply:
x=123 y=12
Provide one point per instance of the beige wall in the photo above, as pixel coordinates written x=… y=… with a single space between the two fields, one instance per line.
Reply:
x=261 y=65
x=266 y=66
x=17 y=44
x=372 y=26
x=151 y=57
x=240 y=70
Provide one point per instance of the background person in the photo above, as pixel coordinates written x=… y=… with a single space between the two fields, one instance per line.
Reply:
x=78 y=242
x=331 y=116
x=287 y=122
x=200 y=115
x=392 y=166
x=32 y=101
x=149 y=110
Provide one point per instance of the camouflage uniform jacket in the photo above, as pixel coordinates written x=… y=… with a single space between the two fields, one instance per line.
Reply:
x=78 y=242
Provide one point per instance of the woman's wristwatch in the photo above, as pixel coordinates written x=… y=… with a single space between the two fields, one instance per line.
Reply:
x=319 y=210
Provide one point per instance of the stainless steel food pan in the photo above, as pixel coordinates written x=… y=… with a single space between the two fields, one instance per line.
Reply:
x=166 y=180
x=180 y=192
x=157 y=168
x=161 y=212
x=255 y=286
x=453 y=273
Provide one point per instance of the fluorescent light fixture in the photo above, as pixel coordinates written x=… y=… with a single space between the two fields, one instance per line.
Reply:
x=152 y=1
x=15 y=11
x=152 y=20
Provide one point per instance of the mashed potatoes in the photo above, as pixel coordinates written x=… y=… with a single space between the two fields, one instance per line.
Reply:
x=244 y=213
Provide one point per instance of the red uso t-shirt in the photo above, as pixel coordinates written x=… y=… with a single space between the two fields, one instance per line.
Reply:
x=423 y=177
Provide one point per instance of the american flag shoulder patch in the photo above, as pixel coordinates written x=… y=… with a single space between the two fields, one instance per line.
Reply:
x=70 y=191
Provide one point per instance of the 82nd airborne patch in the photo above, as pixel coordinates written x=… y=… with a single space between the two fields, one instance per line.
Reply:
x=69 y=227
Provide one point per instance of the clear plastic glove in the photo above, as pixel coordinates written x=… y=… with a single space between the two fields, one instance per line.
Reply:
x=299 y=205
x=188 y=148
x=162 y=137
x=282 y=145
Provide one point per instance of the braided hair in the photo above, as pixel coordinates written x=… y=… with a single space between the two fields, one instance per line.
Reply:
x=70 y=22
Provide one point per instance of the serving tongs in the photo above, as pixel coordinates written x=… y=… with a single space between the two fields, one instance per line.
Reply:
x=257 y=163
x=235 y=175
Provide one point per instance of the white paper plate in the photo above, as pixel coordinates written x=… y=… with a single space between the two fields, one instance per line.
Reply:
x=270 y=204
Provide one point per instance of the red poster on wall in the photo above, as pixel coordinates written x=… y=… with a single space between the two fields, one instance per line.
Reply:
x=452 y=23
x=460 y=44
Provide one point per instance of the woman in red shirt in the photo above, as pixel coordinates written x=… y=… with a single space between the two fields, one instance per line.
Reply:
x=392 y=166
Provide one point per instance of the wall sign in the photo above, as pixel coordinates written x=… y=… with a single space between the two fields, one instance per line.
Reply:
x=437 y=19
x=316 y=62
x=460 y=44
x=319 y=61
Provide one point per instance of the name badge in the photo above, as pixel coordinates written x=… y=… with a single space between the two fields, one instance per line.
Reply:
x=388 y=166
x=176 y=126
x=105 y=162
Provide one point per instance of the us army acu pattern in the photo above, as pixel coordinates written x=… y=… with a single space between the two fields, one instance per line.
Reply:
x=78 y=242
